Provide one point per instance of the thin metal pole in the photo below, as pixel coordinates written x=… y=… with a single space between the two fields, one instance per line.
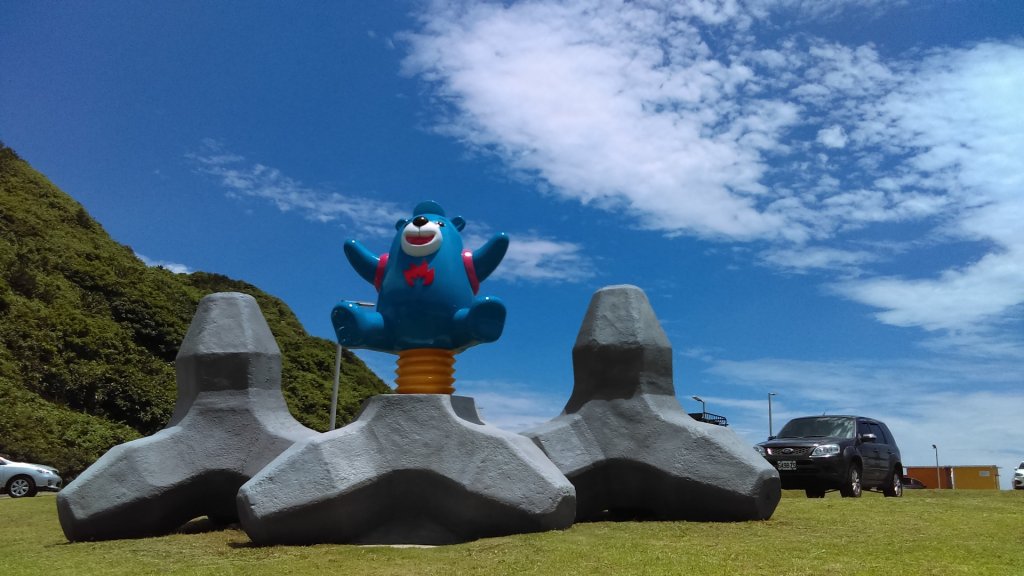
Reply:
x=938 y=475
x=770 y=430
x=703 y=405
x=334 y=391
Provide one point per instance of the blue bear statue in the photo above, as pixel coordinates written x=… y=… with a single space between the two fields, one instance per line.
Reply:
x=427 y=289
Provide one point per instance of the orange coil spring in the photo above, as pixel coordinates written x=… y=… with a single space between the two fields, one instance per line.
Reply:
x=425 y=371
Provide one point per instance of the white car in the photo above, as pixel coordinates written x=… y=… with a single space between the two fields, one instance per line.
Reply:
x=1018 y=477
x=20 y=479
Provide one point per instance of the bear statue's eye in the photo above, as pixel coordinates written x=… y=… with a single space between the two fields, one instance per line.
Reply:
x=441 y=224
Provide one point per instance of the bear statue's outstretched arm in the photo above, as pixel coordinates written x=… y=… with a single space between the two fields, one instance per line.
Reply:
x=487 y=258
x=362 y=260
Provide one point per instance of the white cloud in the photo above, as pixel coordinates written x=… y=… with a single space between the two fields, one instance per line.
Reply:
x=626 y=106
x=818 y=9
x=832 y=137
x=958 y=299
x=534 y=258
x=515 y=408
x=254 y=180
x=618 y=105
x=956 y=124
x=992 y=343
x=172 y=266
x=819 y=258
x=531 y=257
x=833 y=71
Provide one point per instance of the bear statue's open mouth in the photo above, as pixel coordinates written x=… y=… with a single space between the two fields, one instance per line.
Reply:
x=421 y=238
x=417 y=240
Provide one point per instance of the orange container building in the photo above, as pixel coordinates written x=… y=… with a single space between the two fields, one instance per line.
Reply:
x=929 y=477
x=975 y=478
x=957 y=477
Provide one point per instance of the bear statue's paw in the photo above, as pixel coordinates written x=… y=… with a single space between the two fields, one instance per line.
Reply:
x=485 y=319
x=356 y=326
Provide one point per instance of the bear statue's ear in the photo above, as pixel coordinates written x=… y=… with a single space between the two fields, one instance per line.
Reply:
x=401 y=224
x=459 y=223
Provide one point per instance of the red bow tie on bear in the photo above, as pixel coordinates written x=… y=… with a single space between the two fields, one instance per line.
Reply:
x=421 y=271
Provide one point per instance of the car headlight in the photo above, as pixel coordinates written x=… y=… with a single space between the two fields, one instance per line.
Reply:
x=826 y=450
x=760 y=450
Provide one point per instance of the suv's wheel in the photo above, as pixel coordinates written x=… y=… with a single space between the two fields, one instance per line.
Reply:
x=21 y=486
x=815 y=492
x=894 y=488
x=852 y=487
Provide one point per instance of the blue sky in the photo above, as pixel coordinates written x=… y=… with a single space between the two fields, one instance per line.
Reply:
x=822 y=199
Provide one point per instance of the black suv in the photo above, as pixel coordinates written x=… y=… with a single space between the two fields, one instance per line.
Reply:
x=848 y=453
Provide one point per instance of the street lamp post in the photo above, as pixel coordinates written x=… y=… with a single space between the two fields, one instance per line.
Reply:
x=770 y=430
x=703 y=406
x=938 y=474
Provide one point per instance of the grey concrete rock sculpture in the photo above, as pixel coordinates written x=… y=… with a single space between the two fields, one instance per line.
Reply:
x=626 y=443
x=230 y=420
x=412 y=469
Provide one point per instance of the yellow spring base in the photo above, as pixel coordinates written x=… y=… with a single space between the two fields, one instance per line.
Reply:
x=425 y=371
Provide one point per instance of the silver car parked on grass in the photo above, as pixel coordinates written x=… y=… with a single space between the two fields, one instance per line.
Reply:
x=20 y=479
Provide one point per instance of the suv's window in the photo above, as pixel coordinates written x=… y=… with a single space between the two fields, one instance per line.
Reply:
x=822 y=426
x=880 y=436
x=888 y=434
x=862 y=428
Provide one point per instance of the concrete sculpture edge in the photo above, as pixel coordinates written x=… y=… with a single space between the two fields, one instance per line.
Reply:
x=229 y=421
x=412 y=469
x=627 y=445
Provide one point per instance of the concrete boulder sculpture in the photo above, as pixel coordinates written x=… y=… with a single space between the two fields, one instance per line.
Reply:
x=412 y=469
x=417 y=467
x=628 y=446
x=230 y=420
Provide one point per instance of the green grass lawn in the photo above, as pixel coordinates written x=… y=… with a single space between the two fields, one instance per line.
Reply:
x=925 y=532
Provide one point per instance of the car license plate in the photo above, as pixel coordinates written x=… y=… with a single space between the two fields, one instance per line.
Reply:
x=787 y=464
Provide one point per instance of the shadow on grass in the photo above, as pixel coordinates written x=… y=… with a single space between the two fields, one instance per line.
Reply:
x=204 y=525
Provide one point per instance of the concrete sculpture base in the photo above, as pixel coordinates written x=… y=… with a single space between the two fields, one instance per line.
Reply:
x=412 y=469
x=229 y=421
x=626 y=443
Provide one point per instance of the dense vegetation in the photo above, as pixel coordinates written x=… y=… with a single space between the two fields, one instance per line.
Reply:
x=89 y=333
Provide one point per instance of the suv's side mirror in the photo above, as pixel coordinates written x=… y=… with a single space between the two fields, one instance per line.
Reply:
x=868 y=437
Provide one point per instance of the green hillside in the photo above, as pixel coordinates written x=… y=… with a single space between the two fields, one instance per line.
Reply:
x=89 y=333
